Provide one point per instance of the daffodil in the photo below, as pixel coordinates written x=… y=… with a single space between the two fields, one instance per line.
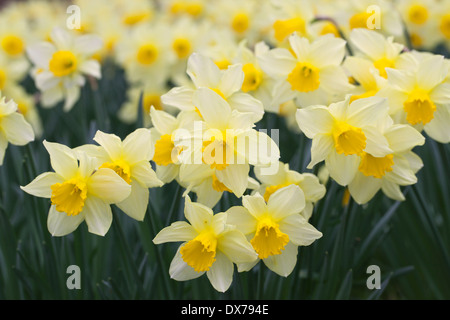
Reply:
x=60 y=66
x=344 y=131
x=130 y=159
x=166 y=153
x=275 y=228
x=390 y=172
x=420 y=96
x=310 y=72
x=210 y=245
x=382 y=52
x=227 y=84
x=77 y=191
x=145 y=53
x=312 y=189
x=14 y=128
x=291 y=17
x=228 y=143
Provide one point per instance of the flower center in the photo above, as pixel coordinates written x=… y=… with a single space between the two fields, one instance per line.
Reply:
x=419 y=108
x=240 y=22
x=348 y=139
x=222 y=64
x=304 y=77
x=418 y=14
x=216 y=153
x=382 y=64
x=182 y=47
x=359 y=20
x=284 y=28
x=63 y=63
x=121 y=168
x=147 y=54
x=69 y=196
x=150 y=100
x=165 y=151
x=268 y=239
x=375 y=167
x=134 y=18
x=445 y=25
x=200 y=252
x=330 y=28
x=252 y=78
x=13 y=45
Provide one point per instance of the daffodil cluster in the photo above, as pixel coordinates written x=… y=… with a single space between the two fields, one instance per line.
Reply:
x=201 y=76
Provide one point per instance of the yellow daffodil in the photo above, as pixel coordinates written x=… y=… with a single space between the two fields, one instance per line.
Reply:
x=210 y=245
x=308 y=183
x=390 y=172
x=420 y=96
x=60 y=67
x=226 y=83
x=275 y=228
x=130 y=159
x=310 y=72
x=344 y=131
x=78 y=192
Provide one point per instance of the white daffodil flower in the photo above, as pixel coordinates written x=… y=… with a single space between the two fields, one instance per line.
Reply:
x=342 y=132
x=275 y=228
x=130 y=159
x=210 y=245
x=78 y=192
x=60 y=66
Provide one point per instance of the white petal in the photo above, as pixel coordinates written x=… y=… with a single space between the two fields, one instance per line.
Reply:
x=403 y=137
x=198 y=215
x=88 y=44
x=72 y=96
x=376 y=143
x=135 y=205
x=327 y=50
x=300 y=232
x=364 y=188
x=177 y=231
x=41 y=53
x=110 y=142
x=107 y=185
x=314 y=120
x=255 y=205
x=283 y=264
x=438 y=128
x=244 y=102
x=40 y=186
x=235 y=177
x=137 y=146
x=179 y=97
x=286 y=201
x=214 y=109
x=278 y=62
x=242 y=219
x=203 y=71
x=431 y=72
x=342 y=168
x=61 y=38
x=232 y=79
x=221 y=273
x=144 y=174
x=167 y=173
x=17 y=130
x=60 y=224
x=63 y=159
x=3 y=146
x=98 y=215
x=392 y=190
x=164 y=122
x=91 y=68
x=322 y=145
x=368 y=111
x=236 y=247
